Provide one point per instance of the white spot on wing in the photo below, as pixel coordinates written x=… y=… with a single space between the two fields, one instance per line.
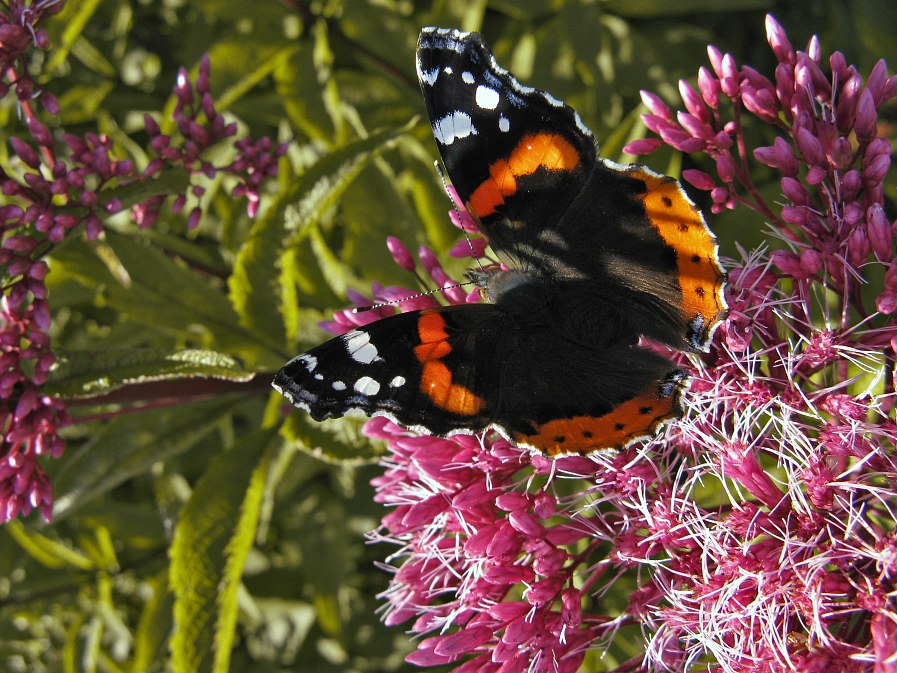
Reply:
x=429 y=76
x=359 y=346
x=487 y=98
x=503 y=124
x=397 y=382
x=467 y=77
x=338 y=385
x=366 y=386
x=310 y=361
x=453 y=126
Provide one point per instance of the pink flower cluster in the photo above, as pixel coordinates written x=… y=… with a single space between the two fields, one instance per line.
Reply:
x=758 y=531
x=202 y=126
x=487 y=567
x=791 y=414
x=49 y=197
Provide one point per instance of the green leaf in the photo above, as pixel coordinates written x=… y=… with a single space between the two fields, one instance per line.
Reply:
x=168 y=181
x=259 y=271
x=46 y=551
x=154 y=626
x=166 y=294
x=91 y=373
x=660 y=8
x=211 y=543
x=337 y=441
x=76 y=16
x=253 y=78
x=128 y=446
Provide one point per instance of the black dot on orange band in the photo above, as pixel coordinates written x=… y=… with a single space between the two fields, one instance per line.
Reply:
x=667 y=201
x=587 y=434
x=701 y=291
x=695 y=259
x=683 y=227
x=644 y=410
x=560 y=440
x=619 y=426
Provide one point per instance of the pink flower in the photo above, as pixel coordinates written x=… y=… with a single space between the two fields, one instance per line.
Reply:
x=757 y=532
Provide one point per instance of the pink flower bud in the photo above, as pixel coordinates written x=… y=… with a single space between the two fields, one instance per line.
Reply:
x=40 y=132
x=877 y=170
x=725 y=167
x=50 y=103
x=463 y=641
x=694 y=126
x=858 y=246
x=194 y=217
x=886 y=303
x=699 y=179
x=693 y=101
x=526 y=524
x=519 y=631
x=760 y=102
x=544 y=591
x=400 y=253
x=571 y=607
x=505 y=545
x=877 y=80
x=716 y=60
x=845 y=112
x=656 y=105
x=810 y=147
x=785 y=87
x=778 y=40
x=513 y=501
x=24 y=152
x=709 y=87
x=788 y=263
x=878 y=229
x=643 y=146
x=810 y=261
x=795 y=192
x=866 y=126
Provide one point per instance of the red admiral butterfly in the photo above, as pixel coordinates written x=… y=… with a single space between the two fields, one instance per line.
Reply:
x=599 y=256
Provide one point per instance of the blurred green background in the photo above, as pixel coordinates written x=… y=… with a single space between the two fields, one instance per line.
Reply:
x=335 y=79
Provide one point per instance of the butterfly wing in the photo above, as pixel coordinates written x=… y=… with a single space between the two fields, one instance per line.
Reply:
x=527 y=169
x=472 y=367
x=513 y=153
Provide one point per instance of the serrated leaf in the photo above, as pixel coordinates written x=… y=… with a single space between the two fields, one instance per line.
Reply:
x=166 y=294
x=129 y=445
x=92 y=373
x=259 y=272
x=211 y=542
x=337 y=441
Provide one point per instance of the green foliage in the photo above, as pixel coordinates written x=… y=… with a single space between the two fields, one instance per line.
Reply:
x=199 y=527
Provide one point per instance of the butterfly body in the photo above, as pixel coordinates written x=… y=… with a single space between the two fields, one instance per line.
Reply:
x=596 y=258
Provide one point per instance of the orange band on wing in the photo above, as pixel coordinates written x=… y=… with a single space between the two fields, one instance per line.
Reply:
x=541 y=150
x=681 y=226
x=581 y=434
x=436 y=378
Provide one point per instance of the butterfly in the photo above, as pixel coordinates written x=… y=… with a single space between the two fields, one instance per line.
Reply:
x=596 y=258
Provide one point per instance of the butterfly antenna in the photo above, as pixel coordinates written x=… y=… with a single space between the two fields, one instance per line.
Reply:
x=362 y=309
x=445 y=186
